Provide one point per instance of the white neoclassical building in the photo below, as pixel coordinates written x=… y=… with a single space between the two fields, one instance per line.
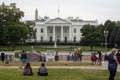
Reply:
x=58 y=29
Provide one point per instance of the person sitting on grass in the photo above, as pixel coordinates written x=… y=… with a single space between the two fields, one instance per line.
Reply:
x=42 y=71
x=28 y=70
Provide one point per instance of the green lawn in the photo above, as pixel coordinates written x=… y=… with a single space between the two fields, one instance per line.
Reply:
x=51 y=47
x=57 y=74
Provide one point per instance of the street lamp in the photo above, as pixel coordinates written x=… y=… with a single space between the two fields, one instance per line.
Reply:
x=105 y=35
x=21 y=43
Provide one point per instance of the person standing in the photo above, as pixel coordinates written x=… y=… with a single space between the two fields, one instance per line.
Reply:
x=2 y=57
x=100 y=58
x=112 y=63
x=23 y=58
x=56 y=56
x=7 y=60
x=42 y=71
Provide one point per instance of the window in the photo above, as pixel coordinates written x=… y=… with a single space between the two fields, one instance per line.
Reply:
x=74 y=30
x=50 y=39
x=50 y=30
x=74 y=39
x=65 y=39
x=41 y=39
x=58 y=40
x=66 y=30
x=41 y=30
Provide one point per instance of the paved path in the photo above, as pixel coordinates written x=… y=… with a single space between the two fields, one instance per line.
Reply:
x=103 y=67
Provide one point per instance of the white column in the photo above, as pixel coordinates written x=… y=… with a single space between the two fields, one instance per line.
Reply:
x=53 y=33
x=46 y=33
x=61 y=33
x=70 y=39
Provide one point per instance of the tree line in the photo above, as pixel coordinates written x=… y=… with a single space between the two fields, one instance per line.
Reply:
x=95 y=36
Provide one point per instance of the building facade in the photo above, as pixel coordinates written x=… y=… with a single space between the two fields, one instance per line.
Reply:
x=58 y=29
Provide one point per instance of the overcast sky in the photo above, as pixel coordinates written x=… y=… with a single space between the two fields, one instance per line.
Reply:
x=101 y=10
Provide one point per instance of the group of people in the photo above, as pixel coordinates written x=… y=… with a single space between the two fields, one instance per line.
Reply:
x=75 y=56
x=6 y=58
x=42 y=71
x=96 y=58
x=113 y=61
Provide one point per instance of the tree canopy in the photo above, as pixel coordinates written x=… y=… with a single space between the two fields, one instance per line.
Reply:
x=94 y=35
x=12 y=30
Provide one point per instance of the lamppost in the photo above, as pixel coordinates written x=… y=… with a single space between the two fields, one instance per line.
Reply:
x=105 y=35
x=21 y=43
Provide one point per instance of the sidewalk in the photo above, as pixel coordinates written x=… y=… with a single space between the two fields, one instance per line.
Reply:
x=103 y=67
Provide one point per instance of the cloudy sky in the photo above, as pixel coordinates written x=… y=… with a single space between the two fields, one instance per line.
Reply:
x=101 y=10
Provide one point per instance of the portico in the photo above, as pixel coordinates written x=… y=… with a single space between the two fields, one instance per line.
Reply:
x=58 y=30
x=58 y=33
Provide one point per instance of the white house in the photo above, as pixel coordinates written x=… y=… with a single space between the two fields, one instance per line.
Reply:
x=58 y=29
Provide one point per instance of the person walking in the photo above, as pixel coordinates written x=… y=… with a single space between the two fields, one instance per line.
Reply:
x=112 y=63
x=42 y=71
x=28 y=70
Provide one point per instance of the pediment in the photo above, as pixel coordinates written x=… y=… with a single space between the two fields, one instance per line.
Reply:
x=58 y=21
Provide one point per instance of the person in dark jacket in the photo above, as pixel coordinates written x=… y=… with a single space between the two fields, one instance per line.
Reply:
x=23 y=58
x=2 y=57
x=112 y=63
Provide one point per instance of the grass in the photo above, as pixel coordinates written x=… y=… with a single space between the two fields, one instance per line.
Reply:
x=50 y=64
x=51 y=47
x=57 y=74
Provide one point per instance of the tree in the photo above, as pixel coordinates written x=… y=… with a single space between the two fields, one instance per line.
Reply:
x=8 y=14
x=109 y=26
x=32 y=31
x=15 y=33
x=91 y=35
x=117 y=33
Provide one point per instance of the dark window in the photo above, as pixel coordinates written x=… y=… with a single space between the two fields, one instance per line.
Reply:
x=50 y=39
x=74 y=30
x=66 y=30
x=50 y=30
x=74 y=39
x=41 y=39
x=65 y=39
x=58 y=40
x=41 y=30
